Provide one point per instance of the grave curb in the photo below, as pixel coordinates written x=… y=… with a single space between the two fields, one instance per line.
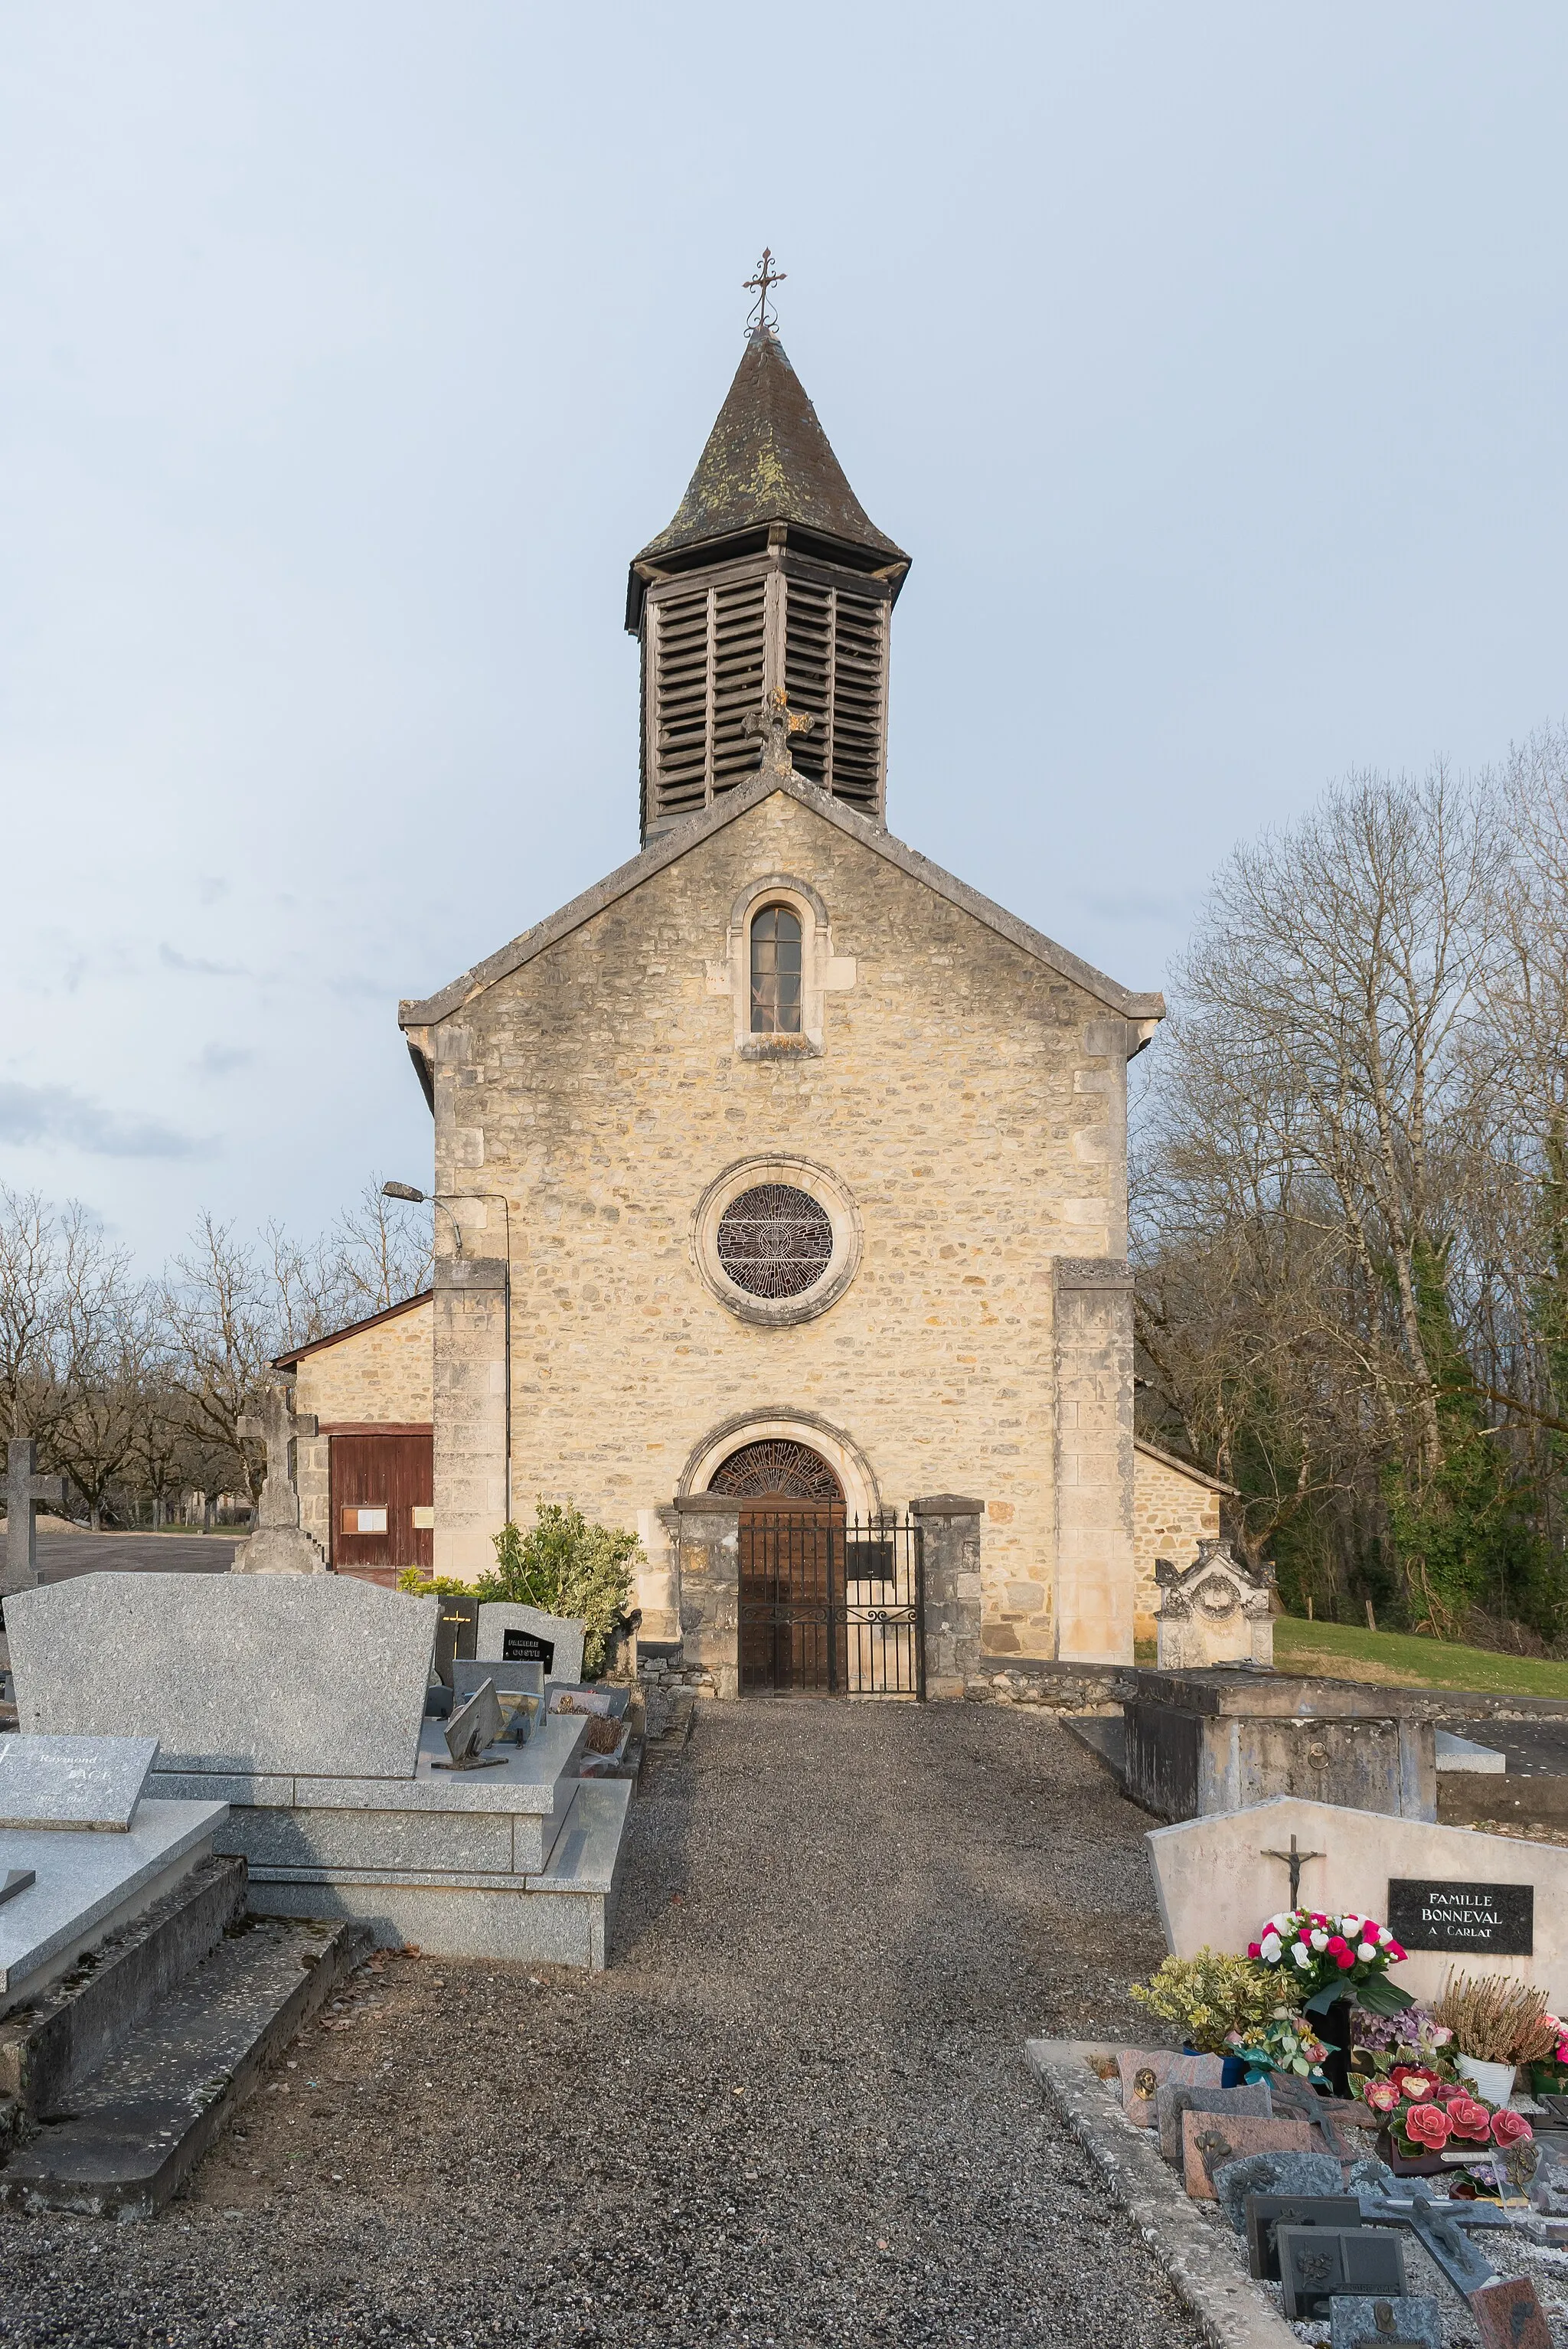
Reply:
x=1233 y=2312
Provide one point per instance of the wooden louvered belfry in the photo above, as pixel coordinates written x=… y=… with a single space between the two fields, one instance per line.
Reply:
x=771 y=575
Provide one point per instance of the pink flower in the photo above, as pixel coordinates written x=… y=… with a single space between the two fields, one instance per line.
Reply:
x=1396 y=1954
x=1508 y=2128
x=1428 y=2124
x=1254 y=1948
x=1344 y=1959
x=1469 y=2119
x=1381 y=2095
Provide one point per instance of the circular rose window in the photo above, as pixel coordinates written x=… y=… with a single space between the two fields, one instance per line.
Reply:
x=777 y=1239
x=774 y=1240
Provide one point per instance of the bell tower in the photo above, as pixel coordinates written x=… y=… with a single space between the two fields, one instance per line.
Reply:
x=772 y=579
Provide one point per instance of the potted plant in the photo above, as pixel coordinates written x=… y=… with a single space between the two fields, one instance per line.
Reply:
x=1498 y=2024
x=1211 y=1998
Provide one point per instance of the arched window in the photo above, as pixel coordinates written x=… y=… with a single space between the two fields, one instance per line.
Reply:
x=775 y=972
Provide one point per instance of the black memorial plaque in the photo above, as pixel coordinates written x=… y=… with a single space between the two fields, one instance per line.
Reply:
x=1493 y=1919
x=1267 y=2213
x=1316 y=2262
x=527 y=1647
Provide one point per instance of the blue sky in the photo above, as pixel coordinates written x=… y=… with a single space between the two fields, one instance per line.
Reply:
x=1210 y=362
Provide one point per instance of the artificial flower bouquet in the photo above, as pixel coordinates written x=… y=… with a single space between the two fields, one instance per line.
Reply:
x=1548 y=2075
x=1285 y=2043
x=1427 y=2115
x=1328 y=1958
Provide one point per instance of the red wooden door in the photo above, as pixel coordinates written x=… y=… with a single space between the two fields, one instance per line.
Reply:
x=379 y=1483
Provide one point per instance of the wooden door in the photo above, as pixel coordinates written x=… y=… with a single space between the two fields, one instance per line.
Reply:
x=379 y=1483
x=792 y=1634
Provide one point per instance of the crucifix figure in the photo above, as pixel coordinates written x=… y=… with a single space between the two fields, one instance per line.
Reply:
x=763 y=318
x=25 y=1491
x=276 y=1425
x=777 y=722
x=1295 y=1861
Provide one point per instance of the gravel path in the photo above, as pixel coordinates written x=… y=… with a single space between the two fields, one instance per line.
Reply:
x=795 y=2110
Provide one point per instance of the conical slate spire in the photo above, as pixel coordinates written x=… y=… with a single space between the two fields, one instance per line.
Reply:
x=768 y=459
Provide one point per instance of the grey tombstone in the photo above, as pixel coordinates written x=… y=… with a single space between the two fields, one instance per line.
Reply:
x=275 y=1674
x=1267 y=2213
x=519 y=1679
x=509 y=1633
x=25 y=1491
x=474 y=1725
x=1359 y=2323
x=279 y=1545
x=91 y=1783
x=1317 y=2263
x=1175 y=2097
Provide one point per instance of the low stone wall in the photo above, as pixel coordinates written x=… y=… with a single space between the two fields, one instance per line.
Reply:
x=1055 y=1687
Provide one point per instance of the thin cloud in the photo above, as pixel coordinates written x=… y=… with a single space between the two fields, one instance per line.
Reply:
x=58 y=1118
x=222 y=1060
x=172 y=959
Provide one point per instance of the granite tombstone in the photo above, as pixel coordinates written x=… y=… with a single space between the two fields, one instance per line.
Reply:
x=1317 y=2263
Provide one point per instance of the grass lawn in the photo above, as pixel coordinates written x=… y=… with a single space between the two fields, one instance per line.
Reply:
x=1341 y=1651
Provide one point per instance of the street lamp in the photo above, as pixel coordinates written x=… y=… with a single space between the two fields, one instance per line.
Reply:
x=419 y=1198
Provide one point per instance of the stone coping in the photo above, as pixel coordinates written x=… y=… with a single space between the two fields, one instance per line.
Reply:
x=1282 y=1695
x=1231 y=2309
x=526 y=1782
x=85 y=1879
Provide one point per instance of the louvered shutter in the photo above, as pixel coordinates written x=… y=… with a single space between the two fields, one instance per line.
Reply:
x=707 y=670
x=835 y=666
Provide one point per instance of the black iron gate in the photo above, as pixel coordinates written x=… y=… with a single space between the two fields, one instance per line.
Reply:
x=829 y=1603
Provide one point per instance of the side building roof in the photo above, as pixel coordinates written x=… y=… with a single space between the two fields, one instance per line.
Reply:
x=352 y=1329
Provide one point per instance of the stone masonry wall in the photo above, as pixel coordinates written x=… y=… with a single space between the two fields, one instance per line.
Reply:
x=1171 y=1513
x=971 y=1101
x=381 y=1374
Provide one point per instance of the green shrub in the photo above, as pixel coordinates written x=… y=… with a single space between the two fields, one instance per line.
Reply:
x=420 y=1584
x=565 y=1566
x=1211 y=1995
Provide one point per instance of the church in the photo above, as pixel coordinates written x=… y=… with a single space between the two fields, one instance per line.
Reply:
x=781 y=1176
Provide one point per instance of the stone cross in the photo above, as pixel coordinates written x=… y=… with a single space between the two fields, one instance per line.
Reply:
x=25 y=1490
x=777 y=722
x=277 y=1425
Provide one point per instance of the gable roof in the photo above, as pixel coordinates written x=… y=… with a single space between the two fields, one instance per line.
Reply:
x=673 y=845
x=352 y=1329
x=768 y=459
x=1186 y=1468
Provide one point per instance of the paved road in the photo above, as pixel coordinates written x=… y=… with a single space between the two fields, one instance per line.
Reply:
x=794 y=2111
x=61 y=1555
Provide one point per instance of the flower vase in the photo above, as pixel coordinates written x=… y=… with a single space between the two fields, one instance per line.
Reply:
x=1493 y=2083
x=1405 y=2165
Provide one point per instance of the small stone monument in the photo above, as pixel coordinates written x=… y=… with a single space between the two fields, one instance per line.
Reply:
x=1215 y=1612
x=25 y=1491
x=279 y=1543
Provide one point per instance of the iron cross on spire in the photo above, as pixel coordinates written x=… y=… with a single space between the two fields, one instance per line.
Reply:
x=762 y=318
x=1295 y=1861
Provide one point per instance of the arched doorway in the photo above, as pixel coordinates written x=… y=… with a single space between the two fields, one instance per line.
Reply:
x=793 y=1531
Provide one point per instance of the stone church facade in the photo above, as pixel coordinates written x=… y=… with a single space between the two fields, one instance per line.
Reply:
x=781 y=1153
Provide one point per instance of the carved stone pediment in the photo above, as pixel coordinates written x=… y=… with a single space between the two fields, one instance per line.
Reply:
x=1216 y=1612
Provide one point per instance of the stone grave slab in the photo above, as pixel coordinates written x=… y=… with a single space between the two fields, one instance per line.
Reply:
x=1145 y=2071
x=1317 y=2263
x=272 y=1674
x=86 y=1782
x=1177 y=2096
x=1267 y=2213
x=1209 y=2140
x=84 y=1883
x=1358 y=2322
x=1307 y=2174
x=513 y=1633
x=1215 y=1884
x=1508 y=2316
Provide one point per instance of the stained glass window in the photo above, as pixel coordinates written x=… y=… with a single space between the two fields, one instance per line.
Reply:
x=774 y=1241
